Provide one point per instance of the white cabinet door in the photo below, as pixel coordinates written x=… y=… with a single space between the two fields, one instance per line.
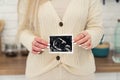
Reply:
x=106 y=76
x=14 y=77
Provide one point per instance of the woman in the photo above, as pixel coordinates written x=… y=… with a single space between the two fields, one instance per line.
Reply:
x=39 y=19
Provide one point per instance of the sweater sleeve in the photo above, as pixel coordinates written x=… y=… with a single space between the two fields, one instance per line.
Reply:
x=94 y=22
x=26 y=37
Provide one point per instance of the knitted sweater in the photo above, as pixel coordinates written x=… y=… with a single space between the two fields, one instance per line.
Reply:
x=80 y=15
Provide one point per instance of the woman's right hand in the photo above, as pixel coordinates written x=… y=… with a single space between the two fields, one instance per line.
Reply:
x=38 y=45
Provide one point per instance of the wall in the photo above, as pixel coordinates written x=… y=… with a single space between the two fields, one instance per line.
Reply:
x=111 y=12
x=8 y=12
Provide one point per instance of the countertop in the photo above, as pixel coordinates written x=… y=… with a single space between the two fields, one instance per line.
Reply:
x=16 y=65
x=12 y=66
x=106 y=64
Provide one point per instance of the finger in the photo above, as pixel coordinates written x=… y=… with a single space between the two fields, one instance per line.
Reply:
x=34 y=52
x=41 y=41
x=36 y=44
x=86 y=44
x=33 y=43
x=80 y=36
x=84 y=33
x=77 y=38
x=89 y=47
x=83 y=40
x=40 y=45
x=36 y=49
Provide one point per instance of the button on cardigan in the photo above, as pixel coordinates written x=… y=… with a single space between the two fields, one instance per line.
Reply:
x=80 y=15
x=61 y=24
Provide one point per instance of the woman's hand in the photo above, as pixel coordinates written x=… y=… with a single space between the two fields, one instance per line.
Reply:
x=38 y=45
x=83 y=40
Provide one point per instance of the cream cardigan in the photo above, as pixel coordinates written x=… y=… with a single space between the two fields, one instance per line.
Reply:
x=80 y=15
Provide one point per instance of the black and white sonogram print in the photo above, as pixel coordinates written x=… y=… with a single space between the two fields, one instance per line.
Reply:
x=60 y=43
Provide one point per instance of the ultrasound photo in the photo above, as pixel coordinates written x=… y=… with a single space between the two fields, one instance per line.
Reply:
x=61 y=44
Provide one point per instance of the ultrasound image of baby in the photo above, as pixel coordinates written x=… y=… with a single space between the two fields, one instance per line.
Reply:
x=60 y=43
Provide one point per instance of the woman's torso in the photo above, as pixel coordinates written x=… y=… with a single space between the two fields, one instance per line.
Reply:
x=74 y=19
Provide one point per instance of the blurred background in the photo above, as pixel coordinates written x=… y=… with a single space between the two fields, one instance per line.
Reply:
x=13 y=57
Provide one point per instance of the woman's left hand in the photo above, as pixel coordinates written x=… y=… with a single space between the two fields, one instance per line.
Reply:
x=83 y=40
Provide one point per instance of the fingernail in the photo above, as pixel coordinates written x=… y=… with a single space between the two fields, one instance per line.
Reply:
x=42 y=49
x=86 y=48
x=48 y=44
x=79 y=45
x=75 y=43
x=38 y=52
x=48 y=47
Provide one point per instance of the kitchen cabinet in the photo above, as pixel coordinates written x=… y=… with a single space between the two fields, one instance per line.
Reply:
x=12 y=77
x=106 y=64
x=14 y=68
x=12 y=65
x=2 y=23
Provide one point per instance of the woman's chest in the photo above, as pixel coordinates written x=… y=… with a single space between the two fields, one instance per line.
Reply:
x=60 y=6
x=74 y=18
x=70 y=9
